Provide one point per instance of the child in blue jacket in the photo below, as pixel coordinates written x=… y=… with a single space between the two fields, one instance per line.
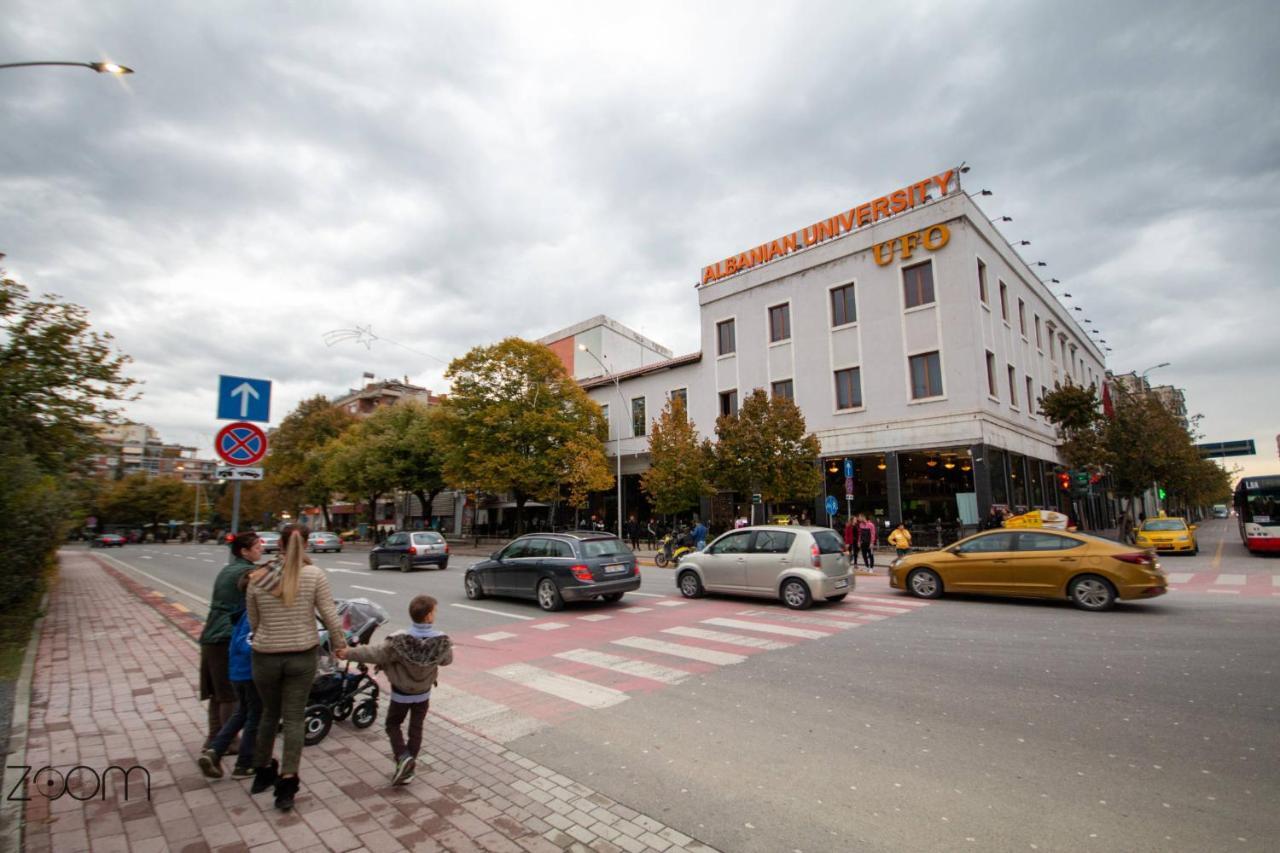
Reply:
x=248 y=710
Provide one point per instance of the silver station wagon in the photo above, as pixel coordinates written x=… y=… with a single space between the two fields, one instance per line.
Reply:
x=795 y=564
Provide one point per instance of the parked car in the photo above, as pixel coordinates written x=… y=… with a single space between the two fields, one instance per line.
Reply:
x=1168 y=536
x=1091 y=573
x=270 y=542
x=552 y=568
x=321 y=541
x=107 y=540
x=794 y=564
x=409 y=549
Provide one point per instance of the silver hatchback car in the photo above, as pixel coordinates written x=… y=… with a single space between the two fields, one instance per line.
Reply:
x=795 y=564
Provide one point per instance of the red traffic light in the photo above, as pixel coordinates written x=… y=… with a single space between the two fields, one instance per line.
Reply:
x=1064 y=481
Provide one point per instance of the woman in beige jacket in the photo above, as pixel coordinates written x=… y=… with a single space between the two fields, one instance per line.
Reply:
x=283 y=599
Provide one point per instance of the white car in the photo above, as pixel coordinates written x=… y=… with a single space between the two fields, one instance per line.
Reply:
x=322 y=541
x=794 y=564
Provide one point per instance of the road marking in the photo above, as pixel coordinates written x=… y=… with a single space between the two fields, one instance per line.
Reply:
x=636 y=609
x=726 y=638
x=680 y=650
x=647 y=594
x=1232 y=580
x=494 y=612
x=208 y=560
x=882 y=608
x=347 y=563
x=1180 y=577
x=374 y=589
x=145 y=556
x=345 y=572
x=152 y=577
x=495 y=636
x=784 y=630
x=672 y=603
x=889 y=600
x=844 y=620
x=1217 y=554
x=1275 y=580
x=627 y=666
x=595 y=617
x=549 y=626
x=562 y=686
x=1224 y=591
x=496 y=722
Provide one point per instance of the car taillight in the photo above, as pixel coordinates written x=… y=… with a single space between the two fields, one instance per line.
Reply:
x=815 y=556
x=446 y=548
x=1138 y=558
x=413 y=552
x=582 y=573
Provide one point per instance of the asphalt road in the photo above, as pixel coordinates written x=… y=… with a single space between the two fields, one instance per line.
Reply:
x=971 y=723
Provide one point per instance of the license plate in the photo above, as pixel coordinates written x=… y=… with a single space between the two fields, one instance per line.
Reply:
x=842 y=583
x=616 y=568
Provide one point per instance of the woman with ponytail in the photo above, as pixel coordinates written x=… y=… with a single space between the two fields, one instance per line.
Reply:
x=283 y=600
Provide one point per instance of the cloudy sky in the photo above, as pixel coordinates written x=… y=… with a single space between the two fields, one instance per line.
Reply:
x=453 y=175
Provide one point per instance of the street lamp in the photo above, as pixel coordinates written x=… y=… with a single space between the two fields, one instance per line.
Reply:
x=1149 y=369
x=100 y=67
x=618 y=446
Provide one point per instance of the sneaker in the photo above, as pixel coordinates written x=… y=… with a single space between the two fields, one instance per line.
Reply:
x=210 y=764
x=404 y=767
x=239 y=772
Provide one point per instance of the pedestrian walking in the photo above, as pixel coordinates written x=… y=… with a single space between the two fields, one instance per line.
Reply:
x=699 y=535
x=633 y=533
x=283 y=600
x=851 y=538
x=412 y=660
x=244 y=721
x=867 y=541
x=225 y=604
x=900 y=539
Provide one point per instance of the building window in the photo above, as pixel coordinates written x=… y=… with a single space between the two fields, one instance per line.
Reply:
x=926 y=375
x=1022 y=317
x=991 y=375
x=1038 y=344
x=1013 y=388
x=917 y=284
x=604 y=410
x=1043 y=392
x=725 y=341
x=681 y=394
x=729 y=403
x=849 y=388
x=1031 y=409
x=1004 y=302
x=779 y=323
x=785 y=389
x=982 y=282
x=843 y=308
x=637 y=416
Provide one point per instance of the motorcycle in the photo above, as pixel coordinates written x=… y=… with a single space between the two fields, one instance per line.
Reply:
x=674 y=548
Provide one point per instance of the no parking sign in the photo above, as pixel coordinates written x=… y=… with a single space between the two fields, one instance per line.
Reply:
x=241 y=443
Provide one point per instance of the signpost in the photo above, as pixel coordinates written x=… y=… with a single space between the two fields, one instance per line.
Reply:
x=241 y=444
x=832 y=506
x=848 y=487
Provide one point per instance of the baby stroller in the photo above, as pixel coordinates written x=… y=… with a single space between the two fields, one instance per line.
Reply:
x=339 y=692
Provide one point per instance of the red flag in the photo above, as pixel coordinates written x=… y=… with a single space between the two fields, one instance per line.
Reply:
x=1107 y=409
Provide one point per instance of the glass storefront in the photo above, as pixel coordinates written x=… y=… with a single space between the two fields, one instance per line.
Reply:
x=934 y=483
x=996 y=467
x=870 y=493
x=1018 y=483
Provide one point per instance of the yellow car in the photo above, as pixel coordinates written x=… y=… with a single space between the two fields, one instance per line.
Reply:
x=1087 y=571
x=1168 y=536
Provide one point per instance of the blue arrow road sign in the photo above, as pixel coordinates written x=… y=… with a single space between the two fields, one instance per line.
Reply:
x=832 y=505
x=243 y=399
x=848 y=469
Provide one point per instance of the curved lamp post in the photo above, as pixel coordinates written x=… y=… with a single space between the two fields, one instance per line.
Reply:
x=618 y=447
x=100 y=67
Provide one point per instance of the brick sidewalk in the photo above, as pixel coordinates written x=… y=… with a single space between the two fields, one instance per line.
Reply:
x=114 y=684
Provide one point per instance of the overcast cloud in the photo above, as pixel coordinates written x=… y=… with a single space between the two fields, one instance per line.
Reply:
x=456 y=174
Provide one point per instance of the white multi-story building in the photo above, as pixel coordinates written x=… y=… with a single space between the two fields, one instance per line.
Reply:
x=913 y=337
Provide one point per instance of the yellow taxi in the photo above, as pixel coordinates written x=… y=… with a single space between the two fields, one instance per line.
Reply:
x=1168 y=536
x=1089 y=572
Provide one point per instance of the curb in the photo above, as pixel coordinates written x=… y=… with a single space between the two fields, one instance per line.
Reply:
x=13 y=812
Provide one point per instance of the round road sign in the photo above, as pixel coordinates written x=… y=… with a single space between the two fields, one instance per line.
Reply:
x=241 y=443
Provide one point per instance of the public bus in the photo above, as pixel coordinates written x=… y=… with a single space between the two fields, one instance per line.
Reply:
x=1258 y=509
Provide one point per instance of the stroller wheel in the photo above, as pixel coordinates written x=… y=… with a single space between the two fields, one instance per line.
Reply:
x=364 y=714
x=342 y=709
x=316 y=722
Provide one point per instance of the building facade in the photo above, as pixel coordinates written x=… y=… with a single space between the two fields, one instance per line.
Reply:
x=917 y=344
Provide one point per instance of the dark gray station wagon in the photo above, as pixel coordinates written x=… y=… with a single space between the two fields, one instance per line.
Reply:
x=553 y=568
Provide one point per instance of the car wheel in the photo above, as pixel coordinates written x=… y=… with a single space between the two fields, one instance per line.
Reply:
x=795 y=594
x=548 y=596
x=471 y=584
x=1090 y=592
x=373 y=563
x=1195 y=551
x=444 y=566
x=924 y=583
x=690 y=585
x=835 y=598
x=612 y=597
x=405 y=565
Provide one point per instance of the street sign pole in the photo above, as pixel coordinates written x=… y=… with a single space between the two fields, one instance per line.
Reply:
x=235 y=508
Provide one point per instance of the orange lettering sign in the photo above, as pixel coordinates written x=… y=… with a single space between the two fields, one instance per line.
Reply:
x=932 y=238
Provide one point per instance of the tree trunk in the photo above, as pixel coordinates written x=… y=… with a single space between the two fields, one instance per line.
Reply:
x=324 y=510
x=520 y=502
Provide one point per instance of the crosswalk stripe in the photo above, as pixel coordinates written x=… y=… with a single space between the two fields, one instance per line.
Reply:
x=1231 y=580
x=680 y=650
x=882 y=608
x=890 y=600
x=1224 y=591
x=627 y=666
x=636 y=609
x=495 y=721
x=562 y=686
x=549 y=626
x=764 y=628
x=495 y=636
x=843 y=620
x=647 y=594
x=678 y=603
x=726 y=638
x=1275 y=580
x=595 y=617
x=1180 y=577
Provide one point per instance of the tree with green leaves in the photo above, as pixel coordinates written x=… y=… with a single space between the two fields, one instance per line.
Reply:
x=766 y=449
x=680 y=465
x=355 y=463
x=406 y=440
x=515 y=421
x=144 y=501
x=296 y=467
x=588 y=472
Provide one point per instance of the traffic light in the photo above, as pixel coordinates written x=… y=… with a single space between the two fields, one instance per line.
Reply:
x=1161 y=494
x=1079 y=484
x=1064 y=481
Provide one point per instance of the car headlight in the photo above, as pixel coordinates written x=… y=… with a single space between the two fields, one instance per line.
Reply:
x=1184 y=538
